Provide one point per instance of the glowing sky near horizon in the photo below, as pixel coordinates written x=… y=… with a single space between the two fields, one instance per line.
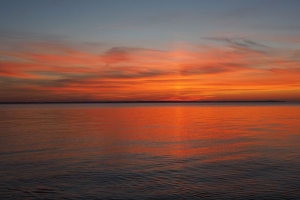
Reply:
x=149 y=50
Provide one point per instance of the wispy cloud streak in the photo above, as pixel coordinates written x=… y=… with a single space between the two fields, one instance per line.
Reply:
x=236 y=69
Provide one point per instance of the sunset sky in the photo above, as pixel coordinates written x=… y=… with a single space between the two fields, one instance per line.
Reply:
x=120 y=50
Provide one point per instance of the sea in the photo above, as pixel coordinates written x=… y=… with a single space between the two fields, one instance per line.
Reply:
x=150 y=151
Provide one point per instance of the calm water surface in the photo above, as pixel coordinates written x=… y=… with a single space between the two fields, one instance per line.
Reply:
x=150 y=151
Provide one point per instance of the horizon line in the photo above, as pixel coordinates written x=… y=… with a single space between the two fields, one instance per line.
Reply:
x=151 y=101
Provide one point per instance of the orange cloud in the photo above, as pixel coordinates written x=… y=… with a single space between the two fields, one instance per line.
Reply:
x=239 y=70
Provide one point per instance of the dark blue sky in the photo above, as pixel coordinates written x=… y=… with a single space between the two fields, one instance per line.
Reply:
x=148 y=23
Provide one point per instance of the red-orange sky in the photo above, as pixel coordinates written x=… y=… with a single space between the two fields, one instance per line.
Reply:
x=72 y=51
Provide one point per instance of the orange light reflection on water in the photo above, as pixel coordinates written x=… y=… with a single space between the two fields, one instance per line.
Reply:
x=226 y=132
x=214 y=132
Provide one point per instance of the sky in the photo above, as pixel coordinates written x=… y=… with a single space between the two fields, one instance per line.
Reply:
x=135 y=50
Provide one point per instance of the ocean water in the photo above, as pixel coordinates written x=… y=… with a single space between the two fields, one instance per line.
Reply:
x=150 y=151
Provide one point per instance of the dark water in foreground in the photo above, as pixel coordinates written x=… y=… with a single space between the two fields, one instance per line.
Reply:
x=150 y=151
